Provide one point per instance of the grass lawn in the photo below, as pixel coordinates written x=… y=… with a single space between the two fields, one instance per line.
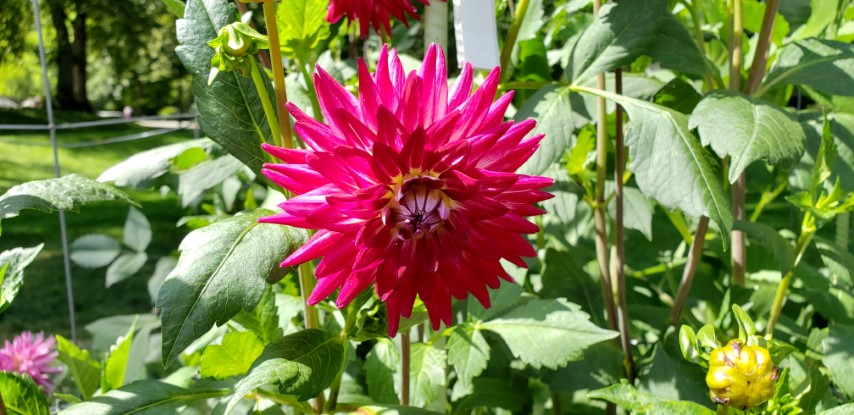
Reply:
x=41 y=303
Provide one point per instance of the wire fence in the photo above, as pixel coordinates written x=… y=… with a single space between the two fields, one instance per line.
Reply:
x=185 y=121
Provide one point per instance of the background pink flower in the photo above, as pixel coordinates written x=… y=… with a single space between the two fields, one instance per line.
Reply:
x=411 y=186
x=373 y=13
x=30 y=355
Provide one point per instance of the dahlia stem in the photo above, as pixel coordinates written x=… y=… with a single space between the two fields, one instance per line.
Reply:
x=738 y=254
x=698 y=37
x=807 y=232
x=269 y=112
x=306 y=284
x=286 y=139
x=405 y=347
x=694 y=256
x=620 y=257
x=336 y=384
x=760 y=58
x=599 y=206
x=766 y=198
x=512 y=34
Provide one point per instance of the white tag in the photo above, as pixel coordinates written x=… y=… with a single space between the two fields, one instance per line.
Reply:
x=476 y=33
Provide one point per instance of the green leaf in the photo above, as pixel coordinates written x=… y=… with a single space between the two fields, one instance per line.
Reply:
x=140 y=169
x=302 y=26
x=263 y=320
x=674 y=48
x=222 y=270
x=638 y=210
x=839 y=410
x=552 y=108
x=427 y=374
x=175 y=7
x=94 y=250
x=669 y=163
x=754 y=13
x=12 y=263
x=393 y=410
x=768 y=237
x=640 y=403
x=468 y=351
x=380 y=365
x=64 y=193
x=145 y=397
x=22 y=396
x=84 y=371
x=137 y=232
x=747 y=130
x=491 y=393
x=825 y=65
x=189 y=158
x=547 y=333
x=707 y=338
x=162 y=269
x=230 y=110
x=619 y=34
x=116 y=363
x=301 y=364
x=839 y=357
x=125 y=266
x=838 y=260
x=194 y=182
x=822 y=14
x=234 y=356
x=688 y=343
x=563 y=277
x=746 y=327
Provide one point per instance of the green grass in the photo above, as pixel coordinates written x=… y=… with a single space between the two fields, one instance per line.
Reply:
x=41 y=303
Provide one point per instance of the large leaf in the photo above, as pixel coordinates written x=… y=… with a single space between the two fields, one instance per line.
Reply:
x=222 y=270
x=747 y=130
x=492 y=393
x=766 y=236
x=302 y=364
x=234 y=356
x=380 y=366
x=12 y=264
x=669 y=163
x=839 y=357
x=552 y=108
x=116 y=363
x=145 y=397
x=547 y=333
x=142 y=168
x=824 y=65
x=230 y=110
x=125 y=266
x=641 y=403
x=263 y=320
x=839 y=410
x=674 y=48
x=94 y=250
x=22 y=396
x=64 y=193
x=619 y=34
x=468 y=351
x=427 y=374
x=194 y=182
x=302 y=26
x=84 y=371
x=137 y=232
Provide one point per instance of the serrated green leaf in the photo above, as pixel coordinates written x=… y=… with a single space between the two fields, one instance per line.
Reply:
x=145 y=397
x=688 y=343
x=547 y=333
x=137 y=231
x=22 y=396
x=491 y=393
x=838 y=260
x=746 y=327
x=747 y=130
x=380 y=366
x=13 y=263
x=640 y=403
x=768 y=237
x=669 y=163
x=552 y=107
x=706 y=337
x=302 y=364
x=674 y=48
x=222 y=270
x=230 y=109
x=116 y=363
x=618 y=35
x=84 y=371
x=839 y=357
x=94 y=250
x=427 y=374
x=64 y=193
x=637 y=211
x=263 y=320
x=824 y=65
x=234 y=356
x=839 y=410
x=125 y=266
x=468 y=352
x=140 y=169
x=302 y=26
x=194 y=182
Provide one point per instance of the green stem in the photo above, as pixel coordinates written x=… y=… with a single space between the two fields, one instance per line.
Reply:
x=269 y=112
x=306 y=283
x=760 y=58
x=512 y=34
x=286 y=139
x=312 y=91
x=405 y=347
x=738 y=254
x=701 y=43
x=767 y=197
x=349 y=323
x=807 y=233
x=690 y=270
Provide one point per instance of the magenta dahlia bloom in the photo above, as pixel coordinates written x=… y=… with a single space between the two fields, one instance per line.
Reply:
x=372 y=13
x=31 y=356
x=410 y=186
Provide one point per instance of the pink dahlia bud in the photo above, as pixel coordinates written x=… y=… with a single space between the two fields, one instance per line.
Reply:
x=373 y=13
x=31 y=356
x=411 y=187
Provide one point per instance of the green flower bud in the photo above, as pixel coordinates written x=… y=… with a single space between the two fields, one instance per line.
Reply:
x=235 y=45
x=741 y=376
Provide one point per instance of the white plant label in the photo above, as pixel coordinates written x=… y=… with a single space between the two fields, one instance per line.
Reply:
x=476 y=33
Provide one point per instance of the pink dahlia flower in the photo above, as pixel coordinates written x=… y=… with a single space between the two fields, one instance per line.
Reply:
x=411 y=187
x=372 y=13
x=31 y=356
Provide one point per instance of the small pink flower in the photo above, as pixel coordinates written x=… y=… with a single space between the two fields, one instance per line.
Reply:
x=372 y=13
x=411 y=187
x=31 y=356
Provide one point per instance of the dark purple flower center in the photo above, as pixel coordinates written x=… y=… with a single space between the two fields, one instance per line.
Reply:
x=421 y=207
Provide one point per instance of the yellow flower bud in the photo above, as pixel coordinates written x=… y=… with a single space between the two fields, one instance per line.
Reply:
x=741 y=376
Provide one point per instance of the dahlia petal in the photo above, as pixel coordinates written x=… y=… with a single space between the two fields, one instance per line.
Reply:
x=297 y=178
x=326 y=286
x=353 y=286
x=288 y=155
x=410 y=108
x=328 y=165
x=459 y=186
x=315 y=248
x=368 y=96
x=333 y=97
x=319 y=137
x=512 y=222
x=413 y=151
x=287 y=219
x=461 y=89
x=384 y=163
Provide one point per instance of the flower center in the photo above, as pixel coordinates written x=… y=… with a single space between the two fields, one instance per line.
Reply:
x=421 y=207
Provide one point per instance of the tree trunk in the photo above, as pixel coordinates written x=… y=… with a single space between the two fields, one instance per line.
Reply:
x=70 y=58
x=78 y=74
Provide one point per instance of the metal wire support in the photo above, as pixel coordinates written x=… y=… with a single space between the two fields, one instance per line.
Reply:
x=52 y=129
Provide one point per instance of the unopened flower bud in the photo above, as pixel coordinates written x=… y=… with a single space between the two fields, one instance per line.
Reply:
x=236 y=43
x=741 y=376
